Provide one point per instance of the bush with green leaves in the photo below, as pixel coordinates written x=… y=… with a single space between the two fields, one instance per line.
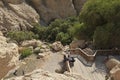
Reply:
x=21 y=35
x=60 y=29
x=41 y=31
x=26 y=52
x=101 y=22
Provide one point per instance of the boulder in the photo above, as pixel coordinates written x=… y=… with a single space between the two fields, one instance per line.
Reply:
x=66 y=48
x=37 y=50
x=9 y=56
x=42 y=55
x=111 y=63
x=114 y=68
x=57 y=46
x=34 y=43
x=77 y=44
x=115 y=73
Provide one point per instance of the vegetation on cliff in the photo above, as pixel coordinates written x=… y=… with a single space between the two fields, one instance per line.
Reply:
x=58 y=30
x=21 y=35
x=98 y=21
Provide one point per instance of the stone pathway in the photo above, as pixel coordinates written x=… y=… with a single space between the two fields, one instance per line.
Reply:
x=54 y=62
x=96 y=72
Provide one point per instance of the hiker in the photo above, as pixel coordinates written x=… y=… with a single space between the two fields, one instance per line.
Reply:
x=71 y=61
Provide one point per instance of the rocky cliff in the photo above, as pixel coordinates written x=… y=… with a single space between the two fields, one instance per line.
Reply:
x=16 y=15
x=52 y=9
x=8 y=55
x=21 y=14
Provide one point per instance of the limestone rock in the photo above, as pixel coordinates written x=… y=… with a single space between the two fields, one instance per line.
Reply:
x=37 y=50
x=8 y=56
x=111 y=63
x=34 y=43
x=42 y=55
x=44 y=75
x=114 y=69
x=77 y=44
x=57 y=46
x=52 y=9
x=18 y=16
x=115 y=73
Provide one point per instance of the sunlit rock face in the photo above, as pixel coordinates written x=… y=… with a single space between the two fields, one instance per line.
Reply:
x=22 y=14
x=8 y=55
x=16 y=15
x=52 y=9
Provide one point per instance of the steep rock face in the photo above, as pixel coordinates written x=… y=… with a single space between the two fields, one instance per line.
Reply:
x=43 y=75
x=52 y=9
x=8 y=55
x=16 y=15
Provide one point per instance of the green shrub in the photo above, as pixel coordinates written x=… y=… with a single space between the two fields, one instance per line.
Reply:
x=101 y=38
x=26 y=52
x=21 y=35
x=41 y=31
x=61 y=29
x=101 y=22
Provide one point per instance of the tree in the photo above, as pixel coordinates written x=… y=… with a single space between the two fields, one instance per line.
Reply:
x=101 y=18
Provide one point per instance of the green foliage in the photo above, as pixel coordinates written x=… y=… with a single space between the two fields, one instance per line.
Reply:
x=64 y=38
x=41 y=31
x=101 y=22
x=101 y=38
x=60 y=29
x=21 y=35
x=26 y=52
